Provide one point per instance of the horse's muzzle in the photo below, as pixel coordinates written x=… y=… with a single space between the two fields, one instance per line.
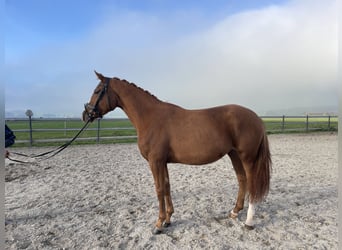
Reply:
x=90 y=113
x=85 y=116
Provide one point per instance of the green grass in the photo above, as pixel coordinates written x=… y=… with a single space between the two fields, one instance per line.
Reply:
x=66 y=129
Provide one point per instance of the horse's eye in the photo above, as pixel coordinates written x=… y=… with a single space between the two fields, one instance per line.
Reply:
x=97 y=91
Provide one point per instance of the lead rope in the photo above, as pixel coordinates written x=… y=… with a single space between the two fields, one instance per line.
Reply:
x=52 y=152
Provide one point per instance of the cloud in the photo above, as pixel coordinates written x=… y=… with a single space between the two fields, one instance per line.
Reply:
x=274 y=57
x=279 y=56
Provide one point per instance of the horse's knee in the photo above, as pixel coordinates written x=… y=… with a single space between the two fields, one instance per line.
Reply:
x=160 y=193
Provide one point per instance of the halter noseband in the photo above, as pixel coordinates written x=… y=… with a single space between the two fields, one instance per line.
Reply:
x=92 y=110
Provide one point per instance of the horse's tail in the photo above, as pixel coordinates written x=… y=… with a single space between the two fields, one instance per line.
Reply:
x=261 y=173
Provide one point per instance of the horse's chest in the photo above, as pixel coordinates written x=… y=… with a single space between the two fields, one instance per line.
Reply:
x=152 y=147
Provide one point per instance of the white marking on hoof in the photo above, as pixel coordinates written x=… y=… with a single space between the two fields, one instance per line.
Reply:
x=233 y=215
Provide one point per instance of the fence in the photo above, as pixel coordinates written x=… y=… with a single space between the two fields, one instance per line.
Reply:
x=288 y=124
x=51 y=131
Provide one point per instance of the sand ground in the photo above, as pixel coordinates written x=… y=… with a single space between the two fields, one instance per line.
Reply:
x=102 y=197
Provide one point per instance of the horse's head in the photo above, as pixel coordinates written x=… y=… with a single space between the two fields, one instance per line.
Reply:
x=101 y=102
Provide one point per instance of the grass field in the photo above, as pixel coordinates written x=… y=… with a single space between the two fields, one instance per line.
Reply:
x=46 y=130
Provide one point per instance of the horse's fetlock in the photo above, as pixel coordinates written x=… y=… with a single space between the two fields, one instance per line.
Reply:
x=170 y=211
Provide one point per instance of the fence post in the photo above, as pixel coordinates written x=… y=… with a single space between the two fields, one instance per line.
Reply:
x=98 y=131
x=283 y=124
x=31 y=140
x=329 y=123
x=307 y=123
x=65 y=126
x=29 y=113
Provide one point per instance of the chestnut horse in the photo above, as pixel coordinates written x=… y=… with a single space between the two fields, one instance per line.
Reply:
x=170 y=134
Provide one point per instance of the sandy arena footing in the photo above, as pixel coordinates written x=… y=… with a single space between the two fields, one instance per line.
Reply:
x=103 y=197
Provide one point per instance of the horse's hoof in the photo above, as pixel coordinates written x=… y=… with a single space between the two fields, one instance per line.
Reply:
x=248 y=227
x=167 y=224
x=157 y=231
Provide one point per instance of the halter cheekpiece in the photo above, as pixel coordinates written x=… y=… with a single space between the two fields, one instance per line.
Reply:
x=92 y=110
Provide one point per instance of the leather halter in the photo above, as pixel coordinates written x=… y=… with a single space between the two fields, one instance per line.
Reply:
x=92 y=110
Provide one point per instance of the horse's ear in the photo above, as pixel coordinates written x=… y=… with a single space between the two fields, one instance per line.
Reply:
x=99 y=76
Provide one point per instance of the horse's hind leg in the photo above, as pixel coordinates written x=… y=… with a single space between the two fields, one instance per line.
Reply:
x=249 y=224
x=168 y=200
x=243 y=173
x=242 y=180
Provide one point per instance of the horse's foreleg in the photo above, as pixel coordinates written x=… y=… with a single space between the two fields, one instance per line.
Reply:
x=168 y=200
x=242 y=180
x=158 y=173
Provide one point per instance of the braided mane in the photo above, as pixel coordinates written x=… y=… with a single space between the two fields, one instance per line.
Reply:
x=136 y=87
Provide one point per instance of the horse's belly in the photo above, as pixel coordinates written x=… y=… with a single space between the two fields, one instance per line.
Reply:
x=198 y=152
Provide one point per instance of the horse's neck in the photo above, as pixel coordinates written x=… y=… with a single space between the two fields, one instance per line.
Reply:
x=136 y=103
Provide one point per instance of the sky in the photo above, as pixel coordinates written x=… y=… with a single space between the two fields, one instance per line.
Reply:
x=265 y=55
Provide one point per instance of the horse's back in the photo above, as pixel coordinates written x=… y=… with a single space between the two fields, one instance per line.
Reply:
x=231 y=118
